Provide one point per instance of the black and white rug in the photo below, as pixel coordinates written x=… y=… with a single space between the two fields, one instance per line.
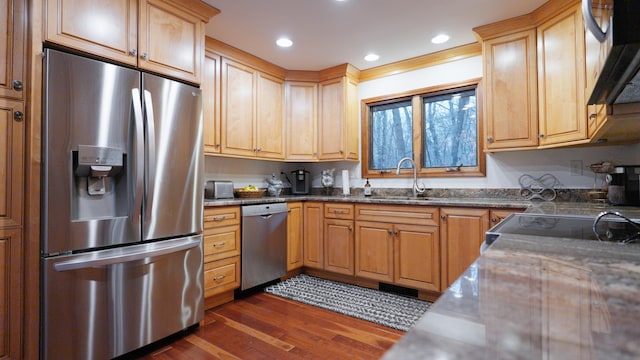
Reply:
x=395 y=311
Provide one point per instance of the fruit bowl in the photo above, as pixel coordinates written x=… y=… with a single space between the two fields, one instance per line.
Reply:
x=250 y=193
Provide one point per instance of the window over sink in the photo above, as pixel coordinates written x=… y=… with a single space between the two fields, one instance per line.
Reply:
x=437 y=127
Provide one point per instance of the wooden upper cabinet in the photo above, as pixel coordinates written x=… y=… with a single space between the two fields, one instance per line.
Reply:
x=338 y=119
x=106 y=28
x=269 y=121
x=12 y=133
x=211 y=103
x=252 y=112
x=301 y=116
x=160 y=36
x=12 y=50
x=171 y=40
x=511 y=99
x=561 y=79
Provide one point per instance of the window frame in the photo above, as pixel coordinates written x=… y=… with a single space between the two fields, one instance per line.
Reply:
x=417 y=104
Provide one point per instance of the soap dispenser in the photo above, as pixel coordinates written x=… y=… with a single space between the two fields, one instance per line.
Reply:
x=367 y=188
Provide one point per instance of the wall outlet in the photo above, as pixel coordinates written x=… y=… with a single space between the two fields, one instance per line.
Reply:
x=576 y=167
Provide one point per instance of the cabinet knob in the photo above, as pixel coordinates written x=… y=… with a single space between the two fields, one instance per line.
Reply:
x=145 y=56
x=443 y=217
x=592 y=116
x=490 y=139
x=389 y=232
x=494 y=220
x=350 y=228
x=395 y=233
x=133 y=52
x=17 y=85
x=18 y=115
x=341 y=151
x=218 y=145
x=259 y=149
x=540 y=136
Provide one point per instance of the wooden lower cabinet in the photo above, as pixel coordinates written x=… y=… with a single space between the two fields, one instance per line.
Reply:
x=399 y=245
x=10 y=293
x=295 y=228
x=417 y=257
x=313 y=240
x=339 y=246
x=221 y=247
x=462 y=231
x=374 y=251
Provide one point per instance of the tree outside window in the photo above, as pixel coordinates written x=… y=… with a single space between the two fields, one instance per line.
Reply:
x=438 y=128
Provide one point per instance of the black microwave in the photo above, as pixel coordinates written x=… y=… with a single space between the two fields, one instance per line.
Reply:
x=616 y=25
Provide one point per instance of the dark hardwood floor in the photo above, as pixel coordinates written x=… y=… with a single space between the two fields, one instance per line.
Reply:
x=264 y=326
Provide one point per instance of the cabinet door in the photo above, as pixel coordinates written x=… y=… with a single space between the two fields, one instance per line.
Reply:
x=338 y=246
x=511 y=98
x=462 y=231
x=211 y=103
x=331 y=136
x=352 y=121
x=269 y=122
x=221 y=242
x=417 y=257
x=106 y=28
x=313 y=243
x=12 y=50
x=561 y=79
x=171 y=41
x=374 y=251
x=238 y=109
x=294 y=236
x=301 y=120
x=10 y=293
x=12 y=132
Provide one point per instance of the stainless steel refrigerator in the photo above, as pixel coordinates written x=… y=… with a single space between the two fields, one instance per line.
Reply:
x=122 y=181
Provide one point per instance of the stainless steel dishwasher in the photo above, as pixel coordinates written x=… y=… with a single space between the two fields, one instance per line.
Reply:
x=264 y=243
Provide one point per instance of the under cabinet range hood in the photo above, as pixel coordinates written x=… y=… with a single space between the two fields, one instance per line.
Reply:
x=615 y=24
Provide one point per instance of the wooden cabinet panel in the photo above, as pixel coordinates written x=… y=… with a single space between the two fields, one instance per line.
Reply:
x=352 y=119
x=511 y=98
x=106 y=28
x=238 y=108
x=12 y=133
x=221 y=242
x=269 y=121
x=221 y=275
x=170 y=40
x=10 y=293
x=221 y=216
x=374 y=250
x=398 y=214
x=339 y=246
x=417 y=257
x=338 y=211
x=331 y=123
x=313 y=242
x=561 y=79
x=462 y=232
x=12 y=48
x=211 y=103
x=301 y=100
x=295 y=228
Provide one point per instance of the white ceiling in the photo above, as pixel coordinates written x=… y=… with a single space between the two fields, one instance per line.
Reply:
x=329 y=32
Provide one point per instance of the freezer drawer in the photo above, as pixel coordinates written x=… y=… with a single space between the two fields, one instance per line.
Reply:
x=102 y=304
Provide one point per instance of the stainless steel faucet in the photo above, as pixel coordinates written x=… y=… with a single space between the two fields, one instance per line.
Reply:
x=417 y=189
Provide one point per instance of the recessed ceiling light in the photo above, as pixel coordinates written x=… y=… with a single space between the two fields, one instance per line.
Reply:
x=372 y=57
x=440 y=39
x=284 y=42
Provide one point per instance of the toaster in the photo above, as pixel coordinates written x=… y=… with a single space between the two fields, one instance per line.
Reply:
x=218 y=189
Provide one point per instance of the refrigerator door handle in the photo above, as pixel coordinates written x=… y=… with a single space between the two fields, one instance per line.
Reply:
x=137 y=253
x=138 y=156
x=151 y=153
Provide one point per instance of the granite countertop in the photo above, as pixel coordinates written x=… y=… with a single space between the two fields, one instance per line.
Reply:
x=533 y=297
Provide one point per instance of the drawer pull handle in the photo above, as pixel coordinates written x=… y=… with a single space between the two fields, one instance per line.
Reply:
x=218 y=218
x=219 y=244
x=219 y=277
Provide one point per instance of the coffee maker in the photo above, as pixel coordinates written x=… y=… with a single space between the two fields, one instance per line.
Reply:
x=624 y=185
x=300 y=182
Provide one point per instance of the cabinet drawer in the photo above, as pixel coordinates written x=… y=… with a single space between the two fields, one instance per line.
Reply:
x=221 y=216
x=398 y=214
x=221 y=275
x=338 y=211
x=221 y=243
